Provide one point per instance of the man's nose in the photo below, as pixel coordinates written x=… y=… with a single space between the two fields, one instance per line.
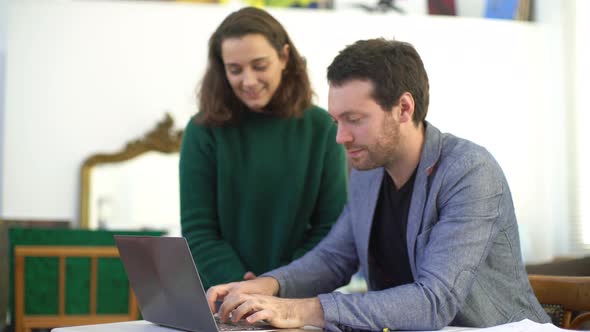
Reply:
x=342 y=135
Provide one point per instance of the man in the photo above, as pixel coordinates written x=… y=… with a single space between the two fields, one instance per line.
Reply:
x=430 y=219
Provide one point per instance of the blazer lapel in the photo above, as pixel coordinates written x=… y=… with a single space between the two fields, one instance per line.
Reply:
x=369 y=184
x=428 y=160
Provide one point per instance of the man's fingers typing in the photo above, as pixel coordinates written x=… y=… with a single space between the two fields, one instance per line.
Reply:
x=230 y=303
x=258 y=316
x=215 y=295
x=245 y=309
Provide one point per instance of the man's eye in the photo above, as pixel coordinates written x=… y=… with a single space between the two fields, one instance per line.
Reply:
x=354 y=119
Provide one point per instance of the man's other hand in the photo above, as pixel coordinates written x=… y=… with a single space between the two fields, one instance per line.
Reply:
x=281 y=313
x=263 y=286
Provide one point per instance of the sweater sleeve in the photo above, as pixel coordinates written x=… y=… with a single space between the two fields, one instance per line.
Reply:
x=332 y=193
x=215 y=258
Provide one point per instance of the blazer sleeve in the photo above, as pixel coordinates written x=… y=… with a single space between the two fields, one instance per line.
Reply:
x=216 y=260
x=326 y=267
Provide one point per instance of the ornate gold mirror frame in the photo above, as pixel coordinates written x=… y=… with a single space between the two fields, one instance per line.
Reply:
x=163 y=138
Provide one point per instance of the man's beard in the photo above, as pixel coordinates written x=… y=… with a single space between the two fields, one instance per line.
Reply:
x=385 y=150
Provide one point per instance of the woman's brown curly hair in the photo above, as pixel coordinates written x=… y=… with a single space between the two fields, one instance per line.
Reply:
x=218 y=105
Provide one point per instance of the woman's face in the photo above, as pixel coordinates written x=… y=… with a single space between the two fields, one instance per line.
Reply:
x=253 y=68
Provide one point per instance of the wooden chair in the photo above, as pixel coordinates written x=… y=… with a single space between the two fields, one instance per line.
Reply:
x=5 y=258
x=573 y=293
x=25 y=322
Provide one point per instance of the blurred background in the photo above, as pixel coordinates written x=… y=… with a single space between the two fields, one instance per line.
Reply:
x=79 y=77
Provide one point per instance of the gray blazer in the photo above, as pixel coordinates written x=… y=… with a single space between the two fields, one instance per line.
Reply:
x=463 y=246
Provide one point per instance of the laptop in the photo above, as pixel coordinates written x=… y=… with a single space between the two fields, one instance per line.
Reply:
x=167 y=285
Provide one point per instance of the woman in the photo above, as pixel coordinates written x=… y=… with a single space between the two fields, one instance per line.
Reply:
x=262 y=179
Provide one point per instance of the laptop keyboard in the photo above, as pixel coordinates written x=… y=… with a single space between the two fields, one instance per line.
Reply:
x=229 y=326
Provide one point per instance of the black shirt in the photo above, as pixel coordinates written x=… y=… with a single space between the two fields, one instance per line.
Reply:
x=389 y=265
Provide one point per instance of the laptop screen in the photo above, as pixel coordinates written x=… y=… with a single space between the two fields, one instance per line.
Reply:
x=163 y=275
x=164 y=278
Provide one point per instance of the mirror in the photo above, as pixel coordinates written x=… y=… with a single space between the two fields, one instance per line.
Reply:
x=137 y=187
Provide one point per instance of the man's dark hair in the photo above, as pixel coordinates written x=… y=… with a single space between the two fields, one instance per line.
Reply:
x=393 y=67
x=218 y=105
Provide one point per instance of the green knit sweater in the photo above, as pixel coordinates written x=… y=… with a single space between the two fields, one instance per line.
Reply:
x=257 y=195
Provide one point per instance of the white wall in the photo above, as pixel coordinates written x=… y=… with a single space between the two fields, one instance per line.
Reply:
x=3 y=18
x=87 y=76
x=555 y=23
x=581 y=118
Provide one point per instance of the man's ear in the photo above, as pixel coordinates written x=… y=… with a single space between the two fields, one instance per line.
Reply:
x=406 y=103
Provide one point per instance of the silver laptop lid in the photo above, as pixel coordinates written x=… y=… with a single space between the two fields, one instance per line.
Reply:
x=166 y=283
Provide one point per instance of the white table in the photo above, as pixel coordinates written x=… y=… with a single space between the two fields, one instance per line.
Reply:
x=145 y=326
x=132 y=326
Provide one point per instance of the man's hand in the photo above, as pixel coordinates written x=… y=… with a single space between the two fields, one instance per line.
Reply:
x=249 y=275
x=282 y=313
x=264 y=286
